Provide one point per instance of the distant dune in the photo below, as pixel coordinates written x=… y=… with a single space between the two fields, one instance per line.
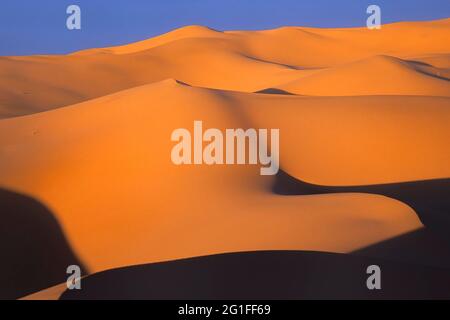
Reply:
x=88 y=135
x=378 y=75
x=239 y=60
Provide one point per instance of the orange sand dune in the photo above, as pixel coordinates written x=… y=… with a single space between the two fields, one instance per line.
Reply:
x=52 y=293
x=247 y=61
x=88 y=134
x=379 y=75
x=194 y=31
x=318 y=48
x=357 y=140
x=441 y=61
x=104 y=168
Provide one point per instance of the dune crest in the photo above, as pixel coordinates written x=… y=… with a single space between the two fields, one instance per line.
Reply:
x=88 y=135
x=192 y=31
x=378 y=75
x=248 y=61
x=120 y=139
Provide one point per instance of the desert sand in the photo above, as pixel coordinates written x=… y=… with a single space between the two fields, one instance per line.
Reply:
x=88 y=135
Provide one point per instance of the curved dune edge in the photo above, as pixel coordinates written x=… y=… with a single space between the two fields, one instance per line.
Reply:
x=261 y=275
x=248 y=61
x=335 y=141
x=88 y=134
x=428 y=198
x=378 y=75
x=142 y=200
x=52 y=293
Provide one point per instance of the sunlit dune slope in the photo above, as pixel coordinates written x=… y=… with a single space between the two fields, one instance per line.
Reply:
x=356 y=140
x=88 y=135
x=193 y=31
x=379 y=75
x=52 y=293
x=103 y=167
x=317 y=47
x=306 y=60
x=441 y=61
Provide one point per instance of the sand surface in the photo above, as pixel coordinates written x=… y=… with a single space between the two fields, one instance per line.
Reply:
x=88 y=136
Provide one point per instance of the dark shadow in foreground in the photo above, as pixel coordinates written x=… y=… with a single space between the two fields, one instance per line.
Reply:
x=266 y=275
x=33 y=249
x=421 y=247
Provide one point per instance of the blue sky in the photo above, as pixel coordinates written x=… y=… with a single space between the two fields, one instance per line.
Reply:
x=38 y=27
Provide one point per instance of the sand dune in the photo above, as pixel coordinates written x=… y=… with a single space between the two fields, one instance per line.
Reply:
x=438 y=60
x=88 y=135
x=356 y=140
x=194 y=31
x=119 y=139
x=52 y=293
x=242 y=61
x=378 y=75
x=264 y=276
x=258 y=275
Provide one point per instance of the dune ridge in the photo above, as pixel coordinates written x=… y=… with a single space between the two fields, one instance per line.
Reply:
x=378 y=75
x=264 y=275
x=246 y=61
x=114 y=137
x=88 y=135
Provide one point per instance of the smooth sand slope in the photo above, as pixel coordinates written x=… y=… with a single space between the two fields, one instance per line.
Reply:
x=241 y=61
x=104 y=168
x=357 y=140
x=88 y=135
x=378 y=75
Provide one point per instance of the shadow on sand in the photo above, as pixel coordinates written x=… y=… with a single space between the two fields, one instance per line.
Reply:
x=265 y=275
x=431 y=201
x=274 y=91
x=420 y=247
x=429 y=198
x=414 y=266
x=34 y=252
